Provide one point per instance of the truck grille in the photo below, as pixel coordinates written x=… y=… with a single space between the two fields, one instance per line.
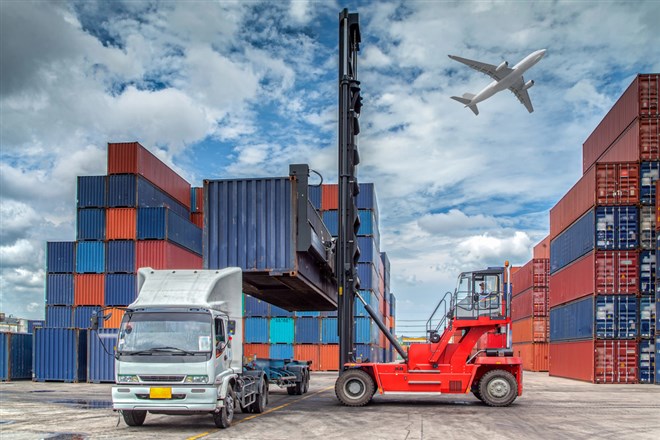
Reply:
x=162 y=378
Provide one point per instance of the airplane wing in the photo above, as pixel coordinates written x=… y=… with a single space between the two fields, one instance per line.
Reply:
x=488 y=69
x=518 y=89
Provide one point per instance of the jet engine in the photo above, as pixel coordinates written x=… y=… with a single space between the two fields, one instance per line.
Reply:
x=528 y=84
x=502 y=66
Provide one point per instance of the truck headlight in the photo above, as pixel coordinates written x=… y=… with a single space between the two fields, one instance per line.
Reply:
x=127 y=378
x=196 y=379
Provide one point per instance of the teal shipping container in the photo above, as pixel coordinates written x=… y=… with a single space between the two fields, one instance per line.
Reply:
x=282 y=330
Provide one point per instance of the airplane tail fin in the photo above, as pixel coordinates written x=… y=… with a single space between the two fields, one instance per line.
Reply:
x=466 y=99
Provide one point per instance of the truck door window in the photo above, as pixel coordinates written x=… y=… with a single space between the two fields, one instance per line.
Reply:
x=219 y=331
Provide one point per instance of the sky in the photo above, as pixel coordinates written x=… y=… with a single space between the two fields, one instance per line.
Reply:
x=242 y=89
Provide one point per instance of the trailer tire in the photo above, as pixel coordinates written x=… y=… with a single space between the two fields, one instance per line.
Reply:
x=260 y=403
x=134 y=417
x=224 y=418
x=498 y=388
x=355 y=387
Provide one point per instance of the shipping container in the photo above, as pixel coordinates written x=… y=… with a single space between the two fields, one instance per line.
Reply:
x=197 y=199
x=657 y=206
x=574 y=242
x=370 y=297
x=91 y=191
x=616 y=272
x=367 y=199
x=89 y=290
x=120 y=256
x=530 y=330
x=647 y=361
x=650 y=171
x=368 y=276
x=647 y=228
x=572 y=360
x=82 y=316
x=657 y=357
x=639 y=100
x=280 y=351
x=112 y=317
x=542 y=249
x=60 y=257
x=60 y=354
x=15 y=356
x=329 y=331
x=366 y=331
x=121 y=224
x=133 y=158
x=59 y=289
x=307 y=314
x=647 y=316
x=307 y=331
x=617 y=184
x=329 y=357
x=329 y=197
x=254 y=307
x=314 y=194
x=131 y=191
x=120 y=289
x=616 y=227
x=59 y=316
x=281 y=330
x=90 y=257
x=369 y=224
x=577 y=201
x=599 y=361
x=279 y=312
x=308 y=352
x=367 y=353
x=159 y=254
x=531 y=302
x=261 y=351
x=533 y=274
x=101 y=347
x=197 y=219
x=639 y=142
x=574 y=281
x=256 y=330
x=535 y=355
x=616 y=317
x=91 y=224
x=34 y=323
x=369 y=252
x=331 y=221
x=164 y=224
x=572 y=321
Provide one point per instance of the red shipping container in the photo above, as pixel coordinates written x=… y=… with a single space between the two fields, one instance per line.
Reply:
x=159 y=254
x=617 y=272
x=542 y=250
x=308 y=352
x=640 y=142
x=329 y=196
x=535 y=355
x=578 y=200
x=198 y=219
x=640 y=99
x=329 y=357
x=531 y=302
x=533 y=274
x=261 y=351
x=573 y=281
x=530 y=330
x=601 y=361
x=133 y=158
x=89 y=290
x=121 y=224
x=573 y=360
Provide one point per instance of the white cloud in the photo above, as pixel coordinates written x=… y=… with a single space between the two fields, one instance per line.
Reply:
x=455 y=222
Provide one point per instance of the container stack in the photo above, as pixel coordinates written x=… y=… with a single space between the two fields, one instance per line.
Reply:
x=603 y=249
x=139 y=215
x=529 y=310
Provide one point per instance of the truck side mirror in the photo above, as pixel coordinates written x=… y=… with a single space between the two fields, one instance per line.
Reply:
x=94 y=322
x=232 y=327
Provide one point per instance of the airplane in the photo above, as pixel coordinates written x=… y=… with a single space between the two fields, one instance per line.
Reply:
x=505 y=78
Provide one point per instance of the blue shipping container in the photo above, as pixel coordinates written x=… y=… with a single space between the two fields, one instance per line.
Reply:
x=331 y=221
x=120 y=256
x=647 y=272
x=647 y=316
x=59 y=316
x=616 y=228
x=82 y=316
x=368 y=276
x=392 y=302
x=91 y=224
x=120 y=289
x=605 y=316
x=255 y=307
x=15 y=356
x=33 y=323
x=657 y=356
x=280 y=351
x=574 y=242
x=307 y=314
x=314 y=195
x=627 y=327
x=329 y=333
x=164 y=224
x=133 y=191
x=616 y=317
x=60 y=354
x=371 y=298
x=100 y=355
x=649 y=172
x=60 y=257
x=59 y=289
x=256 y=330
x=307 y=331
x=92 y=191
x=330 y=314
x=647 y=227
x=281 y=330
x=573 y=321
x=369 y=252
x=90 y=257
x=366 y=199
x=366 y=331
x=647 y=361
x=279 y=312
x=368 y=225
x=367 y=353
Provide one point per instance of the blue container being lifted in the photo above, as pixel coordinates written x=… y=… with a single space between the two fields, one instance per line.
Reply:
x=59 y=289
x=279 y=312
x=307 y=314
x=15 y=356
x=308 y=331
x=573 y=321
x=254 y=307
x=100 y=355
x=90 y=257
x=576 y=241
x=59 y=316
x=120 y=256
x=60 y=257
x=331 y=221
x=164 y=224
x=269 y=229
x=134 y=191
x=91 y=224
x=60 y=354
x=120 y=289
x=92 y=191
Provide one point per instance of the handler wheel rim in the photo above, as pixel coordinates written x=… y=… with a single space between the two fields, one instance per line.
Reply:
x=499 y=388
x=355 y=388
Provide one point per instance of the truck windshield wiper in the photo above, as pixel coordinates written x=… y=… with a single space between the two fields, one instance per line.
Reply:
x=153 y=350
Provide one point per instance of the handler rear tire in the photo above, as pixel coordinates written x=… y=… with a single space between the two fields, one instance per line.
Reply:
x=498 y=388
x=354 y=387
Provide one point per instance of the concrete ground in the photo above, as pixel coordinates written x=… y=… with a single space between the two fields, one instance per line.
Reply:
x=550 y=408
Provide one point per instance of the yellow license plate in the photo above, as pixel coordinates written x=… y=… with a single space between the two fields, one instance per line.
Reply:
x=160 y=393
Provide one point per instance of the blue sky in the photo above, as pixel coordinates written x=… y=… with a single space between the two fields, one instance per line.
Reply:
x=234 y=89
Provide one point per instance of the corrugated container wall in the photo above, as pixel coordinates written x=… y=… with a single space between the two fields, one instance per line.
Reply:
x=329 y=357
x=261 y=351
x=121 y=224
x=254 y=307
x=572 y=321
x=535 y=356
x=91 y=224
x=647 y=360
x=60 y=257
x=100 y=360
x=308 y=352
x=330 y=197
x=281 y=351
x=329 y=333
x=60 y=354
x=650 y=173
x=92 y=191
x=15 y=356
x=574 y=242
x=59 y=289
x=159 y=254
x=131 y=191
x=90 y=257
x=59 y=316
x=307 y=331
x=256 y=330
x=281 y=331
x=82 y=316
x=314 y=194
x=120 y=256
x=89 y=289
x=164 y=224
x=542 y=249
x=573 y=281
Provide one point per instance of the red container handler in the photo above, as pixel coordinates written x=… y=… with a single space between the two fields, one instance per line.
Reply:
x=535 y=355
x=597 y=361
x=133 y=158
x=531 y=302
x=159 y=254
x=533 y=274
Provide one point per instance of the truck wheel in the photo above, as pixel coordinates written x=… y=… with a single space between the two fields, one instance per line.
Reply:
x=498 y=388
x=306 y=388
x=260 y=403
x=224 y=418
x=354 y=387
x=134 y=418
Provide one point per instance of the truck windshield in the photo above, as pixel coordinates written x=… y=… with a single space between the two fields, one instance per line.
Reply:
x=176 y=333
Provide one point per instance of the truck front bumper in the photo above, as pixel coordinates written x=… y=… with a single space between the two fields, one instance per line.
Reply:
x=184 y=398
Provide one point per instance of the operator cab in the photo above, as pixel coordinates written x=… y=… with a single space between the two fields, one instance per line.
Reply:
x=480 y=294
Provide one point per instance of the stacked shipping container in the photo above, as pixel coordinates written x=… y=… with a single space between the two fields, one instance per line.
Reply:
x=602 y=284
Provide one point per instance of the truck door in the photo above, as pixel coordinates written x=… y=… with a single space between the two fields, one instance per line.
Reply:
x=222 y=346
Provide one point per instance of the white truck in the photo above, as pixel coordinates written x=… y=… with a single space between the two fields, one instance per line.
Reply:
x=180 y=349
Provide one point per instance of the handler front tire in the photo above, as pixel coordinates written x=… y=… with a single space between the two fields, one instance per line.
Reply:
x=355 y=387
x=498 y=388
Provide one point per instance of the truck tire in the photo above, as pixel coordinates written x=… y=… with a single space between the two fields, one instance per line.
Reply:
x=354 y=387
x=261 y=401
x=498 y=388
x=133 y=417
x=224 y=417
x=306 y=386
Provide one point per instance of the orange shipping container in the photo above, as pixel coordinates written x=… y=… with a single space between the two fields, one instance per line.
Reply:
x=531 y=329
x=308 y=352
x=329 y=357
x=121 y=224
x=329 y=196
x=89 y=290
x=114 y=321
x=542 y=250
x=258 y=350
x=535 y=355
